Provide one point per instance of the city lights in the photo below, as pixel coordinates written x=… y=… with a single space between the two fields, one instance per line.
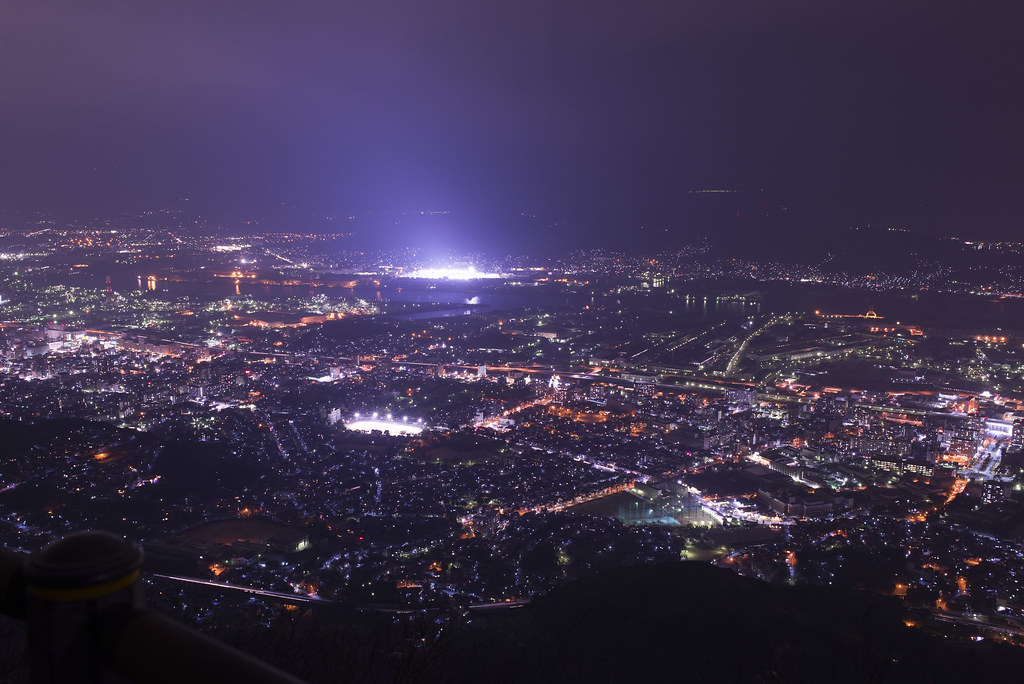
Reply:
x=393 y=427
x=376 y=325
x=451 y=273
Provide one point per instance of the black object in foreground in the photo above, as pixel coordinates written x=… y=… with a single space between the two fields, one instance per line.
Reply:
x=86 y=622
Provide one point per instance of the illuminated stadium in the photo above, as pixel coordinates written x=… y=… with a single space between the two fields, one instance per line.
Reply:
x=442 y=273
x=394 y=427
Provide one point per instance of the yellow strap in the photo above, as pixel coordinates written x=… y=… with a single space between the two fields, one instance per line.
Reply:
x=83 y=593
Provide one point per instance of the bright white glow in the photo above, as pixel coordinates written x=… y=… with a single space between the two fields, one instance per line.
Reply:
x=393 y=427
x=442 y=273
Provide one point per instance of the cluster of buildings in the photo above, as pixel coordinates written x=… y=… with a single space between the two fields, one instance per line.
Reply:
x=326 y=439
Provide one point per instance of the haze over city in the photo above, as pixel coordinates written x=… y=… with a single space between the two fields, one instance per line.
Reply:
x=596 y=115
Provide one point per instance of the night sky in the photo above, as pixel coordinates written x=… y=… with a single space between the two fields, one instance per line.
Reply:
x=607 y=113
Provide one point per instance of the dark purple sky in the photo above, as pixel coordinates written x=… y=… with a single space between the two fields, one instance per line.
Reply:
x=846 y=112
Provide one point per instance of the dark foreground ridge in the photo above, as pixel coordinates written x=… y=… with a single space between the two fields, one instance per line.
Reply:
x=682 y=621
x=700 y=622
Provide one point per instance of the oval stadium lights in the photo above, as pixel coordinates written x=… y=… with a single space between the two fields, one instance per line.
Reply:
x=387 y=426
